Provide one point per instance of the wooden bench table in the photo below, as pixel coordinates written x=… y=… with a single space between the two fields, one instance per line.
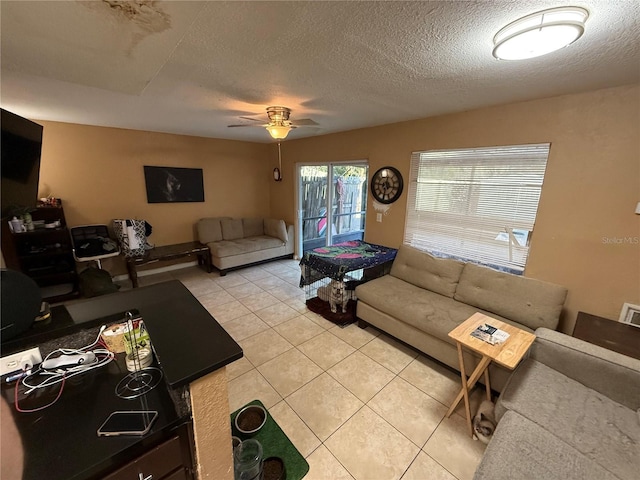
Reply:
x=169 y=252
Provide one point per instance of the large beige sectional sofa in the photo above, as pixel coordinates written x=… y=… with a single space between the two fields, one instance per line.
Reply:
x=571 y=411
x=237 y=242
x=424 y=298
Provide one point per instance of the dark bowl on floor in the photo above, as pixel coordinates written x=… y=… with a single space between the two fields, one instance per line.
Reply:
x=273 y=469
x=250 y=419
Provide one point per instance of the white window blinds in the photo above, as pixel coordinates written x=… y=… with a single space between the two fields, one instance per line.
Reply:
x=476 y=204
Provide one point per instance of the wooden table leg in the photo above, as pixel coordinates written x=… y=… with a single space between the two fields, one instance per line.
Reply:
x=133 y=274
x=207 y=261
x=487 y=385
x=468 y=384
x=465 y=388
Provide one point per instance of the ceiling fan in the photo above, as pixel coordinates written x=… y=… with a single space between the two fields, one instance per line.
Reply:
x=279 y=124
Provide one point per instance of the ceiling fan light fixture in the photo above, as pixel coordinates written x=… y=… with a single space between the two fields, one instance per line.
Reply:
x=279 y=132
x=540 y=33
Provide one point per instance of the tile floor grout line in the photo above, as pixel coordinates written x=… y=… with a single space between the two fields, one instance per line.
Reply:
x=304 y=423
x=347 y=388
x=434 y=431
x=272 y=328
x=365 y=404
x=443 y=467
x=411 y=463
x=394 y=427
x=308 y=426
x=336 y=431
x=301 y=386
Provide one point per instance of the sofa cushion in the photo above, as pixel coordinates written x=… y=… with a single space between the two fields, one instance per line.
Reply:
x=439 y=275
x=522 y=450
x=601 y=429
x=275 y=228
x=228 y=248
x=427 y=311
x=209 y=229
x=252 y=227
x=232 y=229
x=533 y=303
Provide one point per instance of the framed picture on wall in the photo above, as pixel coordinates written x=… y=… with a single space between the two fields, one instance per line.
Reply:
x=630 y=314
x=173 y=184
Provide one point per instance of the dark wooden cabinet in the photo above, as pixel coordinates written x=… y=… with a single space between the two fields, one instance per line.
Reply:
x=44 y=254
x=171 y=460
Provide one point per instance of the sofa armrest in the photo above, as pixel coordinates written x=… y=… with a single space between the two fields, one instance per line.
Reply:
x=290 y=245
x=612 y=374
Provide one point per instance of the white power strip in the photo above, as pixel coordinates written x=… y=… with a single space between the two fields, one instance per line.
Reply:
x=20 y=361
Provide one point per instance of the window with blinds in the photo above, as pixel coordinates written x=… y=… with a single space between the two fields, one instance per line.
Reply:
x=476 y=204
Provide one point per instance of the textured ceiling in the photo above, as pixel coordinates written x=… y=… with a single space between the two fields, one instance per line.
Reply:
x=195 y=67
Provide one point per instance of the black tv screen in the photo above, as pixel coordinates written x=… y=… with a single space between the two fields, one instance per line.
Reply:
x=21 y=146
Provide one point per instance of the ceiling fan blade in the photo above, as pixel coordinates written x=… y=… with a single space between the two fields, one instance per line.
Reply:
x=252 y=119
x=245 y=125
x=305 y=122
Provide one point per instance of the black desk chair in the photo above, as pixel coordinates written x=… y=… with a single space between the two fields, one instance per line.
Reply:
x=92 y=243
x=20 y=301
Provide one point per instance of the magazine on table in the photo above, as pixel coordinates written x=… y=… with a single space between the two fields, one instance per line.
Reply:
x=490 y=334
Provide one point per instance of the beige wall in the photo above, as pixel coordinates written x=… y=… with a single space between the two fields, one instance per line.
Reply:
x=586 y=210
x=591 y=187
x=98 y=173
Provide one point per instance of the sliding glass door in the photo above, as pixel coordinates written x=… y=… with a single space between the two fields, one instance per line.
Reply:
x=331 y=204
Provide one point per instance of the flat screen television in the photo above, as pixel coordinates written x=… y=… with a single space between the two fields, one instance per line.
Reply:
x=21 y=145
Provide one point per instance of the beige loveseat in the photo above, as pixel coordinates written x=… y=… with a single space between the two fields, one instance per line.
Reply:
x=571 y=411
x=424 y=298
x=238 y=242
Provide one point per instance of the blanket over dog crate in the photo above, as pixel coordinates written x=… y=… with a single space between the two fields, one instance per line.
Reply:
x=330 y=275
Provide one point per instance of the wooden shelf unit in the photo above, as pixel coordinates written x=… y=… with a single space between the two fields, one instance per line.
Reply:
x=44 y=254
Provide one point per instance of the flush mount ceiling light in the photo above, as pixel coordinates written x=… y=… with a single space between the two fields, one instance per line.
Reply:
x=540 y=33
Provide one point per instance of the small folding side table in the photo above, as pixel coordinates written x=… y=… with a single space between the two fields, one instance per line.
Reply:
x=507 y=354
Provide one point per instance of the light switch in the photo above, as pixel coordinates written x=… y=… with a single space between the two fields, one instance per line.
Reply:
x=378 y=217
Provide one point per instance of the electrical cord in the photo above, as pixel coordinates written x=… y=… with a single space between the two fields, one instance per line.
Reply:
x=61 y=375
x=31 y=410
x=103 y=357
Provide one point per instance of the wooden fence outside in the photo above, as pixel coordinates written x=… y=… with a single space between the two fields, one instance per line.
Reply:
x=349 y=195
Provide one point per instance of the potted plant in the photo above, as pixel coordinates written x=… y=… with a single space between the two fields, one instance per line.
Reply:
x=24 y=213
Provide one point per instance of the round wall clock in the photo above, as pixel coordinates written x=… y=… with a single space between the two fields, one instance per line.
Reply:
x=386 y=185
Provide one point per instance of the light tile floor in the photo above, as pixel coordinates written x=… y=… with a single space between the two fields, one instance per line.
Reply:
x=355 y=402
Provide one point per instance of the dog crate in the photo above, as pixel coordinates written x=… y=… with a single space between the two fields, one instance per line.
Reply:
x=330 y=275
x=334 y=299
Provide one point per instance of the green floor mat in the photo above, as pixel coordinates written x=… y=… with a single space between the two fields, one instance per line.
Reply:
x=275 y=444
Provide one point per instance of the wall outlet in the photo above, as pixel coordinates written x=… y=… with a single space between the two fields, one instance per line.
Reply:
x=378 y=217
x=20 y=360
